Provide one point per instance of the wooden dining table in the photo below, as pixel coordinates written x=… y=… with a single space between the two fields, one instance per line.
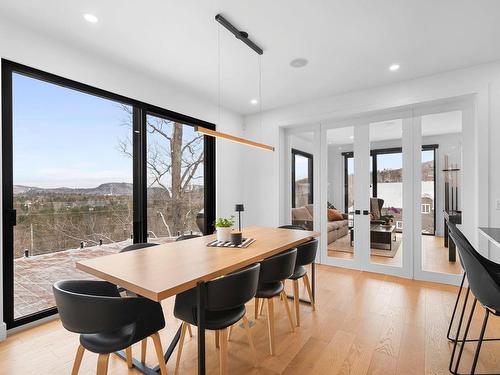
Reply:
x=162 y=271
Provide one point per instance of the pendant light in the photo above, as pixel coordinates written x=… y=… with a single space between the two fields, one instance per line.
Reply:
x=243 y=36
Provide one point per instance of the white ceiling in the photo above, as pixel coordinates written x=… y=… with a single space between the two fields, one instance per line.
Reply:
x=349 y=44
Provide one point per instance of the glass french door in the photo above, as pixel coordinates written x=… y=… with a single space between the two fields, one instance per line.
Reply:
x=367 y=183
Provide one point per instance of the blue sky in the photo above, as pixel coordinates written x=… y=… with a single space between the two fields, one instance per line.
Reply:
x=63 y=137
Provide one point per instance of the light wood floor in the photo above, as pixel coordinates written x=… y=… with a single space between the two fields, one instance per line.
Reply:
x=364 y=324
x=434 y=255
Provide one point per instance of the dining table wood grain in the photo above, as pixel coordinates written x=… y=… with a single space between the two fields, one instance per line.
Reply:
x=162 y=271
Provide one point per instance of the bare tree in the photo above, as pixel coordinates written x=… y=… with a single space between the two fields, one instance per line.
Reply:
x=173 y=161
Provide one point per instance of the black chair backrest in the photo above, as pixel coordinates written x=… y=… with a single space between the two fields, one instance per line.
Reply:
x=137 y=246
x=306 y=253
x=279 y=267
x=92 y=306
x=292 y=226
x=187 y=237
x=483 y=283
x=234 y=289
x=225 y=293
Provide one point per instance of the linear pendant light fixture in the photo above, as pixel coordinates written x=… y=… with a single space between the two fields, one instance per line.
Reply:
x=243 y=36
x=229 y=137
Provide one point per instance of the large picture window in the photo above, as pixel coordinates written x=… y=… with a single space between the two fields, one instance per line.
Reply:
x=86 y=172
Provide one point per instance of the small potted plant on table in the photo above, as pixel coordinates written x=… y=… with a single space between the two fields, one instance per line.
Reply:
x=223 y=227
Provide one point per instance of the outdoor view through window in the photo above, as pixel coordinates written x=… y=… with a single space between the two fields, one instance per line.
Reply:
x=72 y=176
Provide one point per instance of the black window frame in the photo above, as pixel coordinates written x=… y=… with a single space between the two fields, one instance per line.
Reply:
x=310 y=174
x=384 y=151
x=140 y=110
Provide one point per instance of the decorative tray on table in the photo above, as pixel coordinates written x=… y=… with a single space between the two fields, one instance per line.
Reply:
x=245 y=243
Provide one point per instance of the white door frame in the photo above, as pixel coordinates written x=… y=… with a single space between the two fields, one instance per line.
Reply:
x=411 y=141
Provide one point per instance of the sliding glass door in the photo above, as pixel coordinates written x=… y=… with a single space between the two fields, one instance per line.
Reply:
x=175 y=178
x=86 y=172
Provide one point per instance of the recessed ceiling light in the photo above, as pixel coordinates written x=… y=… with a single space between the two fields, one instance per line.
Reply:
x=299 y=62
x=254 y=101
x=90 y=18
x=394 y=67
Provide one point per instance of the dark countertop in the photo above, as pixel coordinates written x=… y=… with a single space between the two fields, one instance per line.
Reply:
x=493 y=234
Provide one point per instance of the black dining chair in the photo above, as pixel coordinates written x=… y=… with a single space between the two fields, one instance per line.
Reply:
x=306 y=254
x=273 y=272
x=292 y=226
x=137 y=246
x=186 y=237
x=483 y=276
x=107 y=322
x=225 y=306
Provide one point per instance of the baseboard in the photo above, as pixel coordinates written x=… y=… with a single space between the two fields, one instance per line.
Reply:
x=3 y=331
x=33 y=324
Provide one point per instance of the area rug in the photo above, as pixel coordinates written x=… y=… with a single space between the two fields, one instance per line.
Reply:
x=343 y=244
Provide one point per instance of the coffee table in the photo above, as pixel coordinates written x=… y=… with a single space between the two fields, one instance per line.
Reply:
x=380 y=235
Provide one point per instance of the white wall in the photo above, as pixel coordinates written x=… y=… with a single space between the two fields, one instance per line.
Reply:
x=261 y=189
x=28 y=48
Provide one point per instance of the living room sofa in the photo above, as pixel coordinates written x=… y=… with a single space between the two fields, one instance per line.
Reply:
x=303 y=216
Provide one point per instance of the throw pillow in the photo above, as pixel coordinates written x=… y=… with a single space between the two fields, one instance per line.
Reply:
x=334 y=215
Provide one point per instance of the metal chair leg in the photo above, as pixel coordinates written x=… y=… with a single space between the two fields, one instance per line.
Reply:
x=455 y=340
x=481 y=336
x=455 y=309
x=465 y=337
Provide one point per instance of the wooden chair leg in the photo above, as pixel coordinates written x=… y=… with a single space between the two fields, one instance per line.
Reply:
x=296 y=301
x=223 y=351
x=189 y=330
x=180 y=346
x=144 y=348
x=270 y=324
x=229 y=331
x=159 y=353
x=128 y=354
x=308 y=288
x=217 y=338
x=284 y=298
x=261 y=308
x=256 y=308
x=250 y=340
x=78 y=360
x=102 y=364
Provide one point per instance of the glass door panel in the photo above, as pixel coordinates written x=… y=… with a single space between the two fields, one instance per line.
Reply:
x=72 y=186
x=175 y=178
x=386 y=199
x=340 y=193
x=440 y=191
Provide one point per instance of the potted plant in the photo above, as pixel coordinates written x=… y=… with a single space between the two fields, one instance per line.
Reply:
x=223 y=227
x=389 y=217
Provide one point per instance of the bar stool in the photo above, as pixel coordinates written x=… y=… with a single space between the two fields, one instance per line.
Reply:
x=107 y=322
x=484 y=283
x=273 y=272
x=225 y=301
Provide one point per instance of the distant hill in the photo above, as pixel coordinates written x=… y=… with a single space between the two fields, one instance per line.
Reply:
x=110 y=188
x=396 y=175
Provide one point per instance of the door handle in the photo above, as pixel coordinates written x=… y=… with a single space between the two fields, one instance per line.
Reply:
x=366 y=212
x=357 y=212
